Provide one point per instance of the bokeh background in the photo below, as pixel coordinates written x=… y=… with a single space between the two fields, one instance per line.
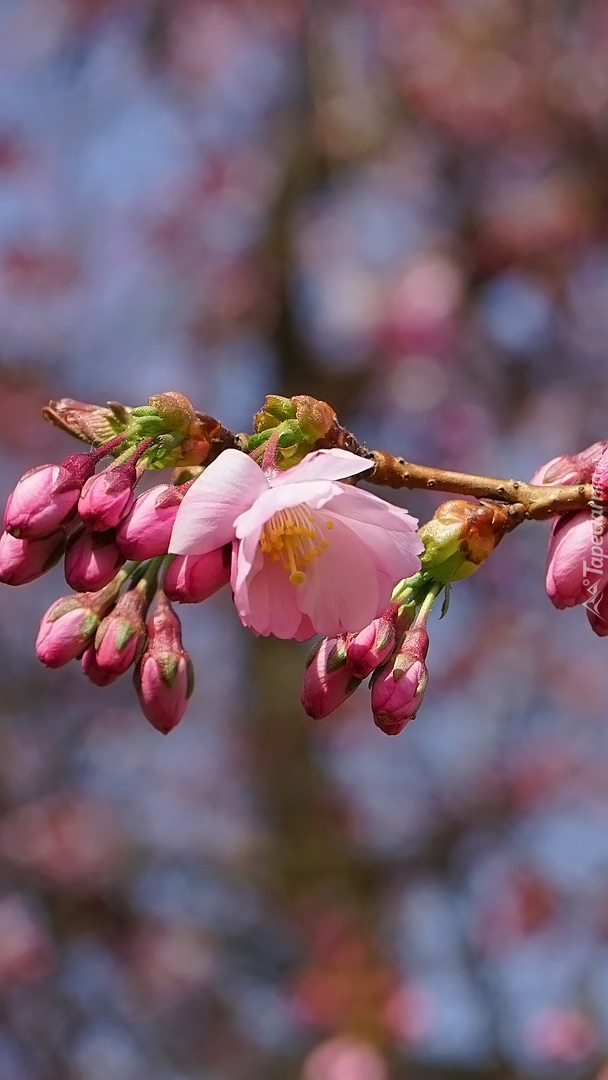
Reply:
x=399 y=206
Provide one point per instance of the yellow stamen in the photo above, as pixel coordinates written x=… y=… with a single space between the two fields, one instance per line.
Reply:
x=291 y=537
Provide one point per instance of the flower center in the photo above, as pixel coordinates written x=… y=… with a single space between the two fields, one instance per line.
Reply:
x=291 y=537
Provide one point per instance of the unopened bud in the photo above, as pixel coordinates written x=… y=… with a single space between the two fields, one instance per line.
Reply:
x=69 y=625
x=460 y=537
x=398 y=688
x=275 y=411
x=369 y=648
x=182 y=436
x=91 y=560
x=327 y=680
x=107 y=498
x=146 y=530
x=571 y=468
x=22 y=561
x=164 y=677
x=94 y=673
x=190 y=579
x=121 y=635
x=175 y=409
x=298 y=424
x=316 y=418
x=44 y=499
x=577 y=560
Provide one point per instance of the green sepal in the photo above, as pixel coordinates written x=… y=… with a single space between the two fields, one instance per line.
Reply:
x=422 y=682
x=275 y=410
x=89 y=625
x=384 y=636
x=168 y=665
x=313 y=652
x=62 y=607
x=291 y=433
x=336 y=658
x=189 y=678
x=353 y=684
x=124 y=634
x=258 y=439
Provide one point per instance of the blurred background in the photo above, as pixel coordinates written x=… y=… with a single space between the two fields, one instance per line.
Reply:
x=400 y=207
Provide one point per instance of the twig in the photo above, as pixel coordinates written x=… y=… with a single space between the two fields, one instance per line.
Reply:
x=533 y=501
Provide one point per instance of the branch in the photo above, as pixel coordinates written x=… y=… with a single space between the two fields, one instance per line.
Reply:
x=96 y=424
x=533 y=501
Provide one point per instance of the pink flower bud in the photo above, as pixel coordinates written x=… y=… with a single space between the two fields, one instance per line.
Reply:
x=70 y=624
x=599 y=479
x=164 y=677
x=369 y=648
x=570 y=468
x=190 y=579
x=122 y=635
x=22 y=561
x=145 y=532
x=46 y=496
x=65 y=633
x=577 y=562
x=560 y=470
x=95 y=674
x=398 y=689
x=107 y=498
x=91 y=560
x=41 y=502
x=328 y=682
x=597 y=613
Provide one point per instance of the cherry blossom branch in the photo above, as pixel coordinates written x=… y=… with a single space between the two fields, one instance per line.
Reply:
x=310 y=424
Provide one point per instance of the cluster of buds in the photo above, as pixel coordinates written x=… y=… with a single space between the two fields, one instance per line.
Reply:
x=577 y=561
x=391 y=652
x=114 y=541
x=296 y=425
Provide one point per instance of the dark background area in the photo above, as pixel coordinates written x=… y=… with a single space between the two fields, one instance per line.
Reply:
x=400 y=207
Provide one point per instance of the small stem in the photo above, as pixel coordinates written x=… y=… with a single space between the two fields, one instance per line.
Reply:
x=269 y=459
x=107 y=448
x=131 y=455
x=426 y=605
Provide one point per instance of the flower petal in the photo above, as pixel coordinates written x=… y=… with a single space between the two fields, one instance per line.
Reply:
x=305 y=630
x=341 y=590
x=314 y=493
x=388 y=531
x=324 y=465
x=268 y=603
x=205 y=519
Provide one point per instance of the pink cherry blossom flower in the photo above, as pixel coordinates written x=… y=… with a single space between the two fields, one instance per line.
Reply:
x=310 y=555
